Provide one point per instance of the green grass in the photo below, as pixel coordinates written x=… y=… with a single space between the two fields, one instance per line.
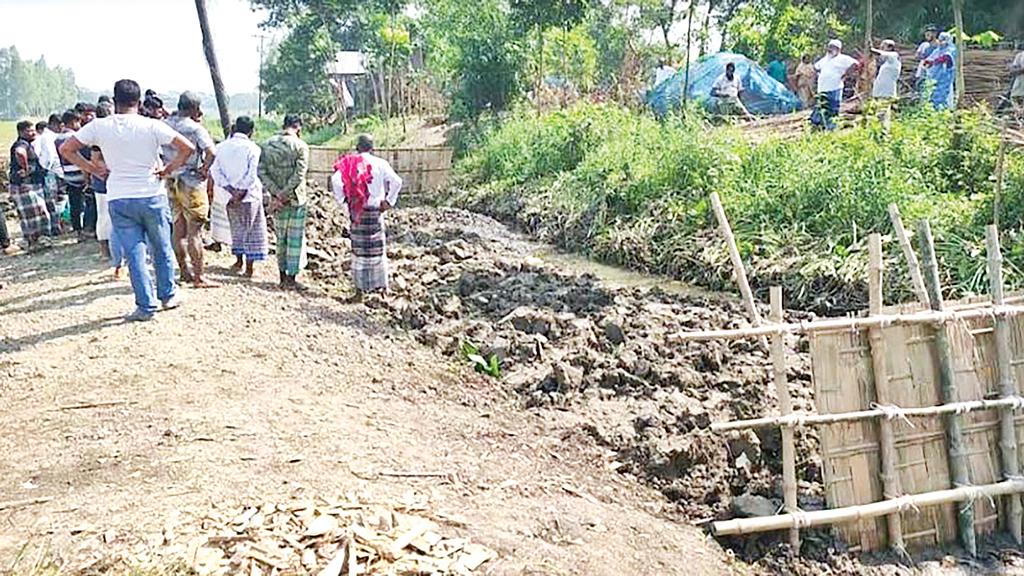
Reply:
x=8 y=133
x=630 y=190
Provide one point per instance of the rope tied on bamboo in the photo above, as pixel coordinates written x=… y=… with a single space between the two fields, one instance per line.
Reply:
x=906 y=503
x=973 y=493
x=892 y=412
x=800 y=518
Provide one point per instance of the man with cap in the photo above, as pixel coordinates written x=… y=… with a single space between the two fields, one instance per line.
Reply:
x=186 y=189
x=283 y=166
x=832 y=70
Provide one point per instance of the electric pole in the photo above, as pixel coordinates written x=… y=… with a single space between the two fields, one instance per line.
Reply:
x=262 y=37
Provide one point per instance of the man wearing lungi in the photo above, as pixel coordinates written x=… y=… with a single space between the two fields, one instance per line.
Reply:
x=236 y=170
x=26 y=188
x=186 y=189
x=369 y=187
x=282 y=171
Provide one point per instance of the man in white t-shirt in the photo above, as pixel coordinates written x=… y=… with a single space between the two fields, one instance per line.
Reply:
x=727 y=89
x=137 y=197
x=832 y=70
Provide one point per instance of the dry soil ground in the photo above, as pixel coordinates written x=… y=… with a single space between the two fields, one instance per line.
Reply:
x=248 y=393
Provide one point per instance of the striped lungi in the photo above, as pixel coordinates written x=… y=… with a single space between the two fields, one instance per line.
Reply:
x=220 y=225
x=290 y=225
x=248 y=230
x=30 y=200
x=369 y=251
x=51 y=195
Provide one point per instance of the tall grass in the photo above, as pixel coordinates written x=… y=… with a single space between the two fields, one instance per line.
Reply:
x=629 y=189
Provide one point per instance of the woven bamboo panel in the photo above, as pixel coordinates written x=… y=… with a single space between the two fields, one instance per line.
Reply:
x=842 y=372
x=422 y=169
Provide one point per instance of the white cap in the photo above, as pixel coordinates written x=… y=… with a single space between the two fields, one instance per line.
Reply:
x=835 y=44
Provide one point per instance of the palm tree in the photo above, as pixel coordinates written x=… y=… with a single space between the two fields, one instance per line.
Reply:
x=211 y=60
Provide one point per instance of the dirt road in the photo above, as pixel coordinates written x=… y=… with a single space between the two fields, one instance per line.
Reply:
x=248 y=393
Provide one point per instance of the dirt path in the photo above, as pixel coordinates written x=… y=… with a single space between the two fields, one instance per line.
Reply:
x=250 y=393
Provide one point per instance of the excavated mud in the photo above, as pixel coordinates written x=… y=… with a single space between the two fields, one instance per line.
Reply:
x=573 y=342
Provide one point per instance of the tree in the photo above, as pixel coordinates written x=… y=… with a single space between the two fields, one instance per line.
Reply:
x=539 y=16
x=295 y=76
x=211 y=60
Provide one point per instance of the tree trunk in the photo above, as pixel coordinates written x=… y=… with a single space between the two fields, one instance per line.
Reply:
x=211 y=60
x=540 y=69
x=869 y=28
x=705 y=35
x=958 y=19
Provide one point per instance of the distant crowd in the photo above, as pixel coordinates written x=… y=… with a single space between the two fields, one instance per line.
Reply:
x=822 y=84
x=155 y=190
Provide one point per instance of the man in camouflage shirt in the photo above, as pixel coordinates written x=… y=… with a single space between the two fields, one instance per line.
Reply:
x=282 y=170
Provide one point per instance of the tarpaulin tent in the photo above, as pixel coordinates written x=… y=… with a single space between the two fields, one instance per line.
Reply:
x=762 y=94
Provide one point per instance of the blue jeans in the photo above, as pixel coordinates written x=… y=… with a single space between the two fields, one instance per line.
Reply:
x=136 y=222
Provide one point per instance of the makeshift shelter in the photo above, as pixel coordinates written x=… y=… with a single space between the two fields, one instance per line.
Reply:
x=347 y=74
x=762 y=94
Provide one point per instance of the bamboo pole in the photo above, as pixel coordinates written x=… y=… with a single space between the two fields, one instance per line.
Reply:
x=997 y=194
x=865 y=511
x=958 y=464
x=800 y=419
x=913 y=267
x=851 y=324
x=1007 y=385
x=887 y=441
x=778 y=352
x=737 y=260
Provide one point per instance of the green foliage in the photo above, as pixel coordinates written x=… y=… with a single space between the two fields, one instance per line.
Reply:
x=294 y=77
x=33 y=89
x=568 y=53
x=765 y=28
x=631 y=190
x=475 y=54
x=490 y=366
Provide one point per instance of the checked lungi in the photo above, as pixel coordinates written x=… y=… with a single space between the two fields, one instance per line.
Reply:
x=290 y=225
x=220 y=225
x=30 y=201
x=369 y=251
x=248 y=230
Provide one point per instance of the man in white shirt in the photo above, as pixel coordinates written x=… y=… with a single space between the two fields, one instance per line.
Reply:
x=727 y=89
x=236 y=170
x=832 y=70
x=886 y=87
x=369 y=187
x=137 y=197
x=46 y=149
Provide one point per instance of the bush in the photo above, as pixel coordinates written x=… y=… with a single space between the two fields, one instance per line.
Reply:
x=630 y=190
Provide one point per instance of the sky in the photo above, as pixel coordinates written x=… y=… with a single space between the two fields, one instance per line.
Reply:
x=165 y=45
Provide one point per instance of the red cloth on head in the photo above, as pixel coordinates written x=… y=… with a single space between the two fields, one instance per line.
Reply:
x=356 y=175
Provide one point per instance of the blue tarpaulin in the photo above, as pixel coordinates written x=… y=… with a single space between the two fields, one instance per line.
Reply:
x=762 y=94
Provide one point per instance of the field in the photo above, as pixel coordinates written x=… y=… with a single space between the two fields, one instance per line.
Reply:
x=7 y=133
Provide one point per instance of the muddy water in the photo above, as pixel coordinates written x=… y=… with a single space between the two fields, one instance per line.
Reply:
x=618 y=278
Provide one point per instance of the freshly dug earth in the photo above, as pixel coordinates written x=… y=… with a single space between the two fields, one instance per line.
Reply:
x=119 y=440
x=601 y=354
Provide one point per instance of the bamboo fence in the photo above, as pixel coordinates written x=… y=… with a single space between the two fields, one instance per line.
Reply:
x=916 y=407
x=422 y=169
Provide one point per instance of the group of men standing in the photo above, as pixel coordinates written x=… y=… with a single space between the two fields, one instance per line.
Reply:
x=158 y=177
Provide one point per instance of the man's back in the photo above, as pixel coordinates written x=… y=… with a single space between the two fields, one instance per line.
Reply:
x=199 y=136
x=131 y=150
x=283 y=165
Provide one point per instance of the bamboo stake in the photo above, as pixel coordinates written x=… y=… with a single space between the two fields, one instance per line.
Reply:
x=997 y=194
x=865 y=511
x=958 y=464
x=913 y=267
x=800 y=419
x=778 y=352
x=737 y=260
x=890 y=474
x=1007 y=385
x=851 y=324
